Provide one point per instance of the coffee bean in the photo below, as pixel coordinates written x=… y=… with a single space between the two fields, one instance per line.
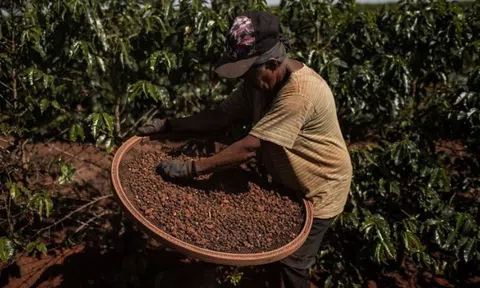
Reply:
x=232 y=211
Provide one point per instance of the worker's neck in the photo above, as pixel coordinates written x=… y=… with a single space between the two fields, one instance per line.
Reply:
x=281 y=77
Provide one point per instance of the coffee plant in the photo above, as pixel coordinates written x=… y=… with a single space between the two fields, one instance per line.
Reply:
x=26 y=204
x=406 y=79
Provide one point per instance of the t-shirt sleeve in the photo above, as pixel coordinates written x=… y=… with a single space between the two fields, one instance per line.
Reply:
x=282 y=124
x=236 y=105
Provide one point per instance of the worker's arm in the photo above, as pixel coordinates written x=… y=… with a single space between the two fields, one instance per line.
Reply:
x=233 y=108
x=233 y=155
x=205 y=121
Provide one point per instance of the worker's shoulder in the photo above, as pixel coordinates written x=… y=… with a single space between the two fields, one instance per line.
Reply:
x=307 y=83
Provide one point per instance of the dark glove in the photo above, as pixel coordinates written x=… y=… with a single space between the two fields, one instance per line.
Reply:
x=153 y=126
x=176 y=169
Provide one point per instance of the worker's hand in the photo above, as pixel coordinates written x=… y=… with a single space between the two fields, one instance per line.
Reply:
x=176 y=169
x=153 y=126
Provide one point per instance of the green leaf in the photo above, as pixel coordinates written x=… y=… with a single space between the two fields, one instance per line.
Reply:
x=164 y=96
x=100 y=139
x=152 y=91
x=170 y=60
x=30 y=246
x=124 y=54
x=394 y=188
x=433 y=177
x=44 y=105
x=451 y=237
x=467 y=250
x=328 y=282
x=108 y=120
x=37 y=47
x=461 y=242
x=76 y=131
x=153 y=60
x=62 y=118
x=438 y=236
x=427 y=261
x=432 y=222
x=95 y=121
x=468 y=224
x=47 y=81
x=412 y=242
x=379 y=253
x=42 y=248
x=399 y=154
x=31 y=74
x=67 y=172
x=101 y=63
x=339 y=63
x=444 y=180
x=24 y=190
x=101 y=33
x=55 y=104
x=86 y=54
x=390 y=249
x=165 y=57
x=75 y=48
x=109 y=144
x=3 y=128
x=38 y=204
x=7 y=249
x=14 y=191
x=460 y=221
x=48 y=206
x=133 y=91
x=366 y=226
x=353 y=217
x=41 y=201
x=367 y=156
x=18 y=191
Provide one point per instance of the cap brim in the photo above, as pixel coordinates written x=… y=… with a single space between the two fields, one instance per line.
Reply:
x=228 y=69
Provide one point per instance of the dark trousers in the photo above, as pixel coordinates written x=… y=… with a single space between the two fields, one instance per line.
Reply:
x=293 y=271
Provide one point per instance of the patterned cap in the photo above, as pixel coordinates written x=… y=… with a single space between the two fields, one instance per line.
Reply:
x=251 y=34
x=241 y=38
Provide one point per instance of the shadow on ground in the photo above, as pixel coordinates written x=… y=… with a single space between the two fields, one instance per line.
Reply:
x=123 y=257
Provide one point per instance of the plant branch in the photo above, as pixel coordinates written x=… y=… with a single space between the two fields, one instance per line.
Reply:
x=14 y=89
x=73 y=212
x=8 y=102
x=14 y=74
x=6 y=86
x=145 y=116
x=118 y=120
x=72 y=155
x=84 y=224
x=24 y=155
x=57 y=136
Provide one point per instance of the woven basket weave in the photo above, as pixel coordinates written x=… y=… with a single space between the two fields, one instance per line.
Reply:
x=191 y=250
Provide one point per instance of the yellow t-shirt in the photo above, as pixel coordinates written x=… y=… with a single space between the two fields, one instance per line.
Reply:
x=304 y=148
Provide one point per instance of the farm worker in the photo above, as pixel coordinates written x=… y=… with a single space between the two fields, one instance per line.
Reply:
x=295 y=131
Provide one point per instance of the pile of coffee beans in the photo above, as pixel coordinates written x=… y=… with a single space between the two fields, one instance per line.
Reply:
x=232 y=211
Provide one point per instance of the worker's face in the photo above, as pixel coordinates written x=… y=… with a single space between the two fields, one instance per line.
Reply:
x=262 y=77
